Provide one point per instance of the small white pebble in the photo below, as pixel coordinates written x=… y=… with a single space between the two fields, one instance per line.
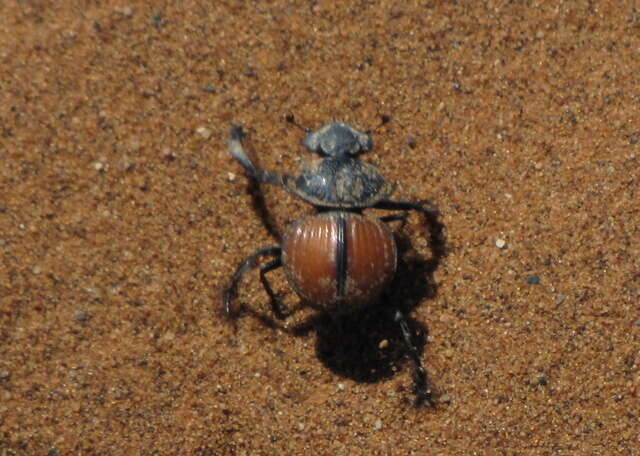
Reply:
x=377 y=425
x=383 y=344
x=204 y=132
x=341 y=386
x=231 y=177
x=98 y=166
x=501 y=243
x=125 y=11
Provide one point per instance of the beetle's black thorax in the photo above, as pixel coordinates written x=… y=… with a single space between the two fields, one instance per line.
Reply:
x=342 y=182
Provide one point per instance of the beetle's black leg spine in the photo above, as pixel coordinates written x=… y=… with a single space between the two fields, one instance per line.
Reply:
x=231 y=292
x=276 y=305
x=421 y=389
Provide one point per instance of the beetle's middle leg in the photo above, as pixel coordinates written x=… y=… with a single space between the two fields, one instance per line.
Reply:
x=231 y=292
x=276 y=305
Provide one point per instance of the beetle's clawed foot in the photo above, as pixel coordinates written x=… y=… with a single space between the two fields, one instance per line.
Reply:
x=423 y=397
x=280 y=309
x=228 y=296
x=422 y=389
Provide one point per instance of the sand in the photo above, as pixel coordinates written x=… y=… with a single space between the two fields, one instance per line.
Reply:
x=122 y=218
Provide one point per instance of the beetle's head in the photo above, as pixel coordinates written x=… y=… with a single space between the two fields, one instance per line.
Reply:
x=337 y=139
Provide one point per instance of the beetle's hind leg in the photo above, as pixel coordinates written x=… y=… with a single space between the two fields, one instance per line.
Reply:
x=237 y=150
x=276 y=305
x=421 y=388
x=231 y=292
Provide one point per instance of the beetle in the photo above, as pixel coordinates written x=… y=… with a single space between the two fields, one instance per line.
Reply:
x=339 y=259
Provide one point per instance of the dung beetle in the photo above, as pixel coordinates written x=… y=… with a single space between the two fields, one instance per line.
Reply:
x=339 y=259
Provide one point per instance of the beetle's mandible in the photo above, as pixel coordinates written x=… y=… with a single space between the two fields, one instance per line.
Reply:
x=339 y=259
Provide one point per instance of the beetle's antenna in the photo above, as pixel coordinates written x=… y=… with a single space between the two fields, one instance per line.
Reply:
x=292 y=120
x=384 y=119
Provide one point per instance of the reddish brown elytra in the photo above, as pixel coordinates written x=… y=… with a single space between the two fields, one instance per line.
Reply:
x=336 y=259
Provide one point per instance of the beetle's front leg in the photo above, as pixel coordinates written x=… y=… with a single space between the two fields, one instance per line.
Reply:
x=426 y=207
x=236 y=149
